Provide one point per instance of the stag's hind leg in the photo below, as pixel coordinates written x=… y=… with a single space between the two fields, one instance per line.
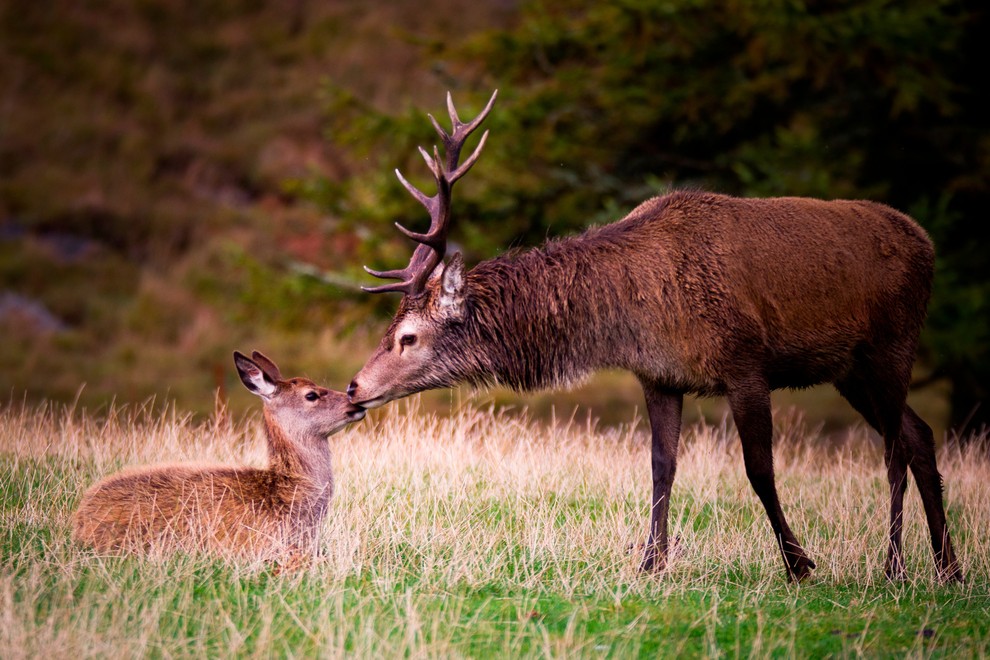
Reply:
x=908 y=442
x=919 y=445
x=750 y=407
x=877 y=401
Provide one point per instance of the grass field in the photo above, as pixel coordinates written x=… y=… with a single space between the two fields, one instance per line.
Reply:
x=487 y=534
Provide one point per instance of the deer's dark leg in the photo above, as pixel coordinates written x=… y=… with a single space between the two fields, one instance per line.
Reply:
x=664 y=407
x=893 y=456
x=919 y=445
x=877 y=388
x=750 y=405
x=877 y=403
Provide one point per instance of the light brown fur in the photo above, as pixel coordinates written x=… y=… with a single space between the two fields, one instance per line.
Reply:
x=230 y=510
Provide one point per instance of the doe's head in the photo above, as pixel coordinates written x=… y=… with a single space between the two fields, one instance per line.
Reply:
x=300 y=407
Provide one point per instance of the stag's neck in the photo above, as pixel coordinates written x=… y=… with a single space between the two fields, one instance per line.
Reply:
x=549 y=316
x=303 y=464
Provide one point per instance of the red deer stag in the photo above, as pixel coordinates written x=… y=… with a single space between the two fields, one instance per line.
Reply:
x=271 y=512
x=692 y=292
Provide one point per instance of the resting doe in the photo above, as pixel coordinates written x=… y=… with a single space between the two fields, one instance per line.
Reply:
x=229 y=509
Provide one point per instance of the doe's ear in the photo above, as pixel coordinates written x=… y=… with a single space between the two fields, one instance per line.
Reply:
x=452 y=287
x=253 y=377
x=270 y=368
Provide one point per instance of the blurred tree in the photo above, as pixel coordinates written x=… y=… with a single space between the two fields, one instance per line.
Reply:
x=603 y=104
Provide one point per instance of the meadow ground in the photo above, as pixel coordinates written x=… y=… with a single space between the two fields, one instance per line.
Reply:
x=488 y=534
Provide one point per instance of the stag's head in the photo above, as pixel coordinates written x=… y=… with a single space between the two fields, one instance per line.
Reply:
x=414 y=355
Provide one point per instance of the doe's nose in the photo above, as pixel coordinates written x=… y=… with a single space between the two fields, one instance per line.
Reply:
x=351 y=389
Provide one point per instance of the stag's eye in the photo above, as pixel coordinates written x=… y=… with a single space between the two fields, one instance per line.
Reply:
x=312 y=396
x=407 y=340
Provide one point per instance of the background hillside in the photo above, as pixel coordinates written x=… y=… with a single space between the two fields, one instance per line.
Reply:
x=151 y=157
x=179 y=179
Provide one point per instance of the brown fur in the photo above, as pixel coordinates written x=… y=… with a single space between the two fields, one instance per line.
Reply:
x=225 y=509
x=698 y=293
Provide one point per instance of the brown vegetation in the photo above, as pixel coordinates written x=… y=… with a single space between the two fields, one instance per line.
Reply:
x=225 y=509
x=445 y=533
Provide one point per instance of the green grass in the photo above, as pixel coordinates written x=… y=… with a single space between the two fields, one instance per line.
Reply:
x=490 y=536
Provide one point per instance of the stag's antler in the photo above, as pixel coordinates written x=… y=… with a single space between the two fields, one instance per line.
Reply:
x=433 y=244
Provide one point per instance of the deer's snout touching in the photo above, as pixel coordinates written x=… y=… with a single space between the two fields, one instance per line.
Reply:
x=358 y=396
x=355 y=413
x=364 y=395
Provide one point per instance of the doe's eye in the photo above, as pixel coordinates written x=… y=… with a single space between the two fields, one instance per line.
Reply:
x=312 y=396
x=407 y=340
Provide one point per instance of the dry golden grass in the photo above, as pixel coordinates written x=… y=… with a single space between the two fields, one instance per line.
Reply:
x=488 y=533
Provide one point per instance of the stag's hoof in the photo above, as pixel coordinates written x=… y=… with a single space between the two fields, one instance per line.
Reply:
x=947 y=566
x=799 y=568
x=652 y=565
x=951 y=575
x=893 y=569
x=655 y=559
x=895 y=574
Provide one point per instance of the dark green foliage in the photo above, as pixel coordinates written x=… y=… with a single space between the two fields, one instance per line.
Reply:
x=173 y=144
x=603 y=104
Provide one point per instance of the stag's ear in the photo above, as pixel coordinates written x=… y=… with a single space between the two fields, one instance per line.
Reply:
x=253 y=377
x=437 y=273
x=452 y=287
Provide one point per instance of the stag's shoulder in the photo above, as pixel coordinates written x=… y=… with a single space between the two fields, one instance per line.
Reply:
x=677 y=204
x=681 y=208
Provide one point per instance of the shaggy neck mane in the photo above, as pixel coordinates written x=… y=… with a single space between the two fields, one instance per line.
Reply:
x=549 y=315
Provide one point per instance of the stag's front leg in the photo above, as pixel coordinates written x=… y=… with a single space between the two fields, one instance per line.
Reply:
x=664 y=407
x=750 y=405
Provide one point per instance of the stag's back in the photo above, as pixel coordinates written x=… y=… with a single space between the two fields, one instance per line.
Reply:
x=797 y=284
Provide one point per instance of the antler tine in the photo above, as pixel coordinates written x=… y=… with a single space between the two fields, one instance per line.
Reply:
x=444 y=136
x=452 y=111
x=433 y=162
x=433 y=244
x=399 y=287
x=403 y=288
x=413 y=276
x=453 y=142
x=468 y=127
x=437 y=208
x=420 y=196
x=435 y=238
x=397 y=274
x=466 y=165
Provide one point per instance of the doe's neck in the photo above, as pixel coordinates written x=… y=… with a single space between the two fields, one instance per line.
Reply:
x=304 y=457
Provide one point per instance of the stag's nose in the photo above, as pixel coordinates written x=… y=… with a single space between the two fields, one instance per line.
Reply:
x=351 y=389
